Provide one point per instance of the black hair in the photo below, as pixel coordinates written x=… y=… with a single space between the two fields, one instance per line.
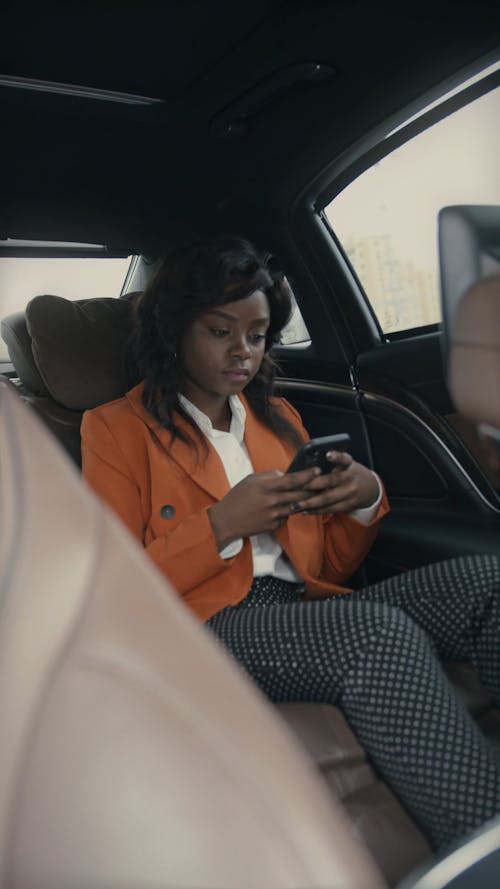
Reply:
x=191 y=280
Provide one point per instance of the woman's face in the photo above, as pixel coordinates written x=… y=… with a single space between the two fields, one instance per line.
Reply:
x=222 y=350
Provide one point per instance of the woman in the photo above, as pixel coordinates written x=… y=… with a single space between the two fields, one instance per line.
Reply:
x=194 y=461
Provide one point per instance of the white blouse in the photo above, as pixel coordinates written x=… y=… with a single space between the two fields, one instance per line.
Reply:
x=268 y=557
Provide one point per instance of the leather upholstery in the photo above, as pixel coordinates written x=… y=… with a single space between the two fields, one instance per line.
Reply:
x=474 y=369
x=55 y=334
x=322 y=729
x=468 y=251
x=394 y=840
x=133 y=753
x=89 y=337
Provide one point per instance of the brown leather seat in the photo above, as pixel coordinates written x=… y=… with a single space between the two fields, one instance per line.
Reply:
x=134 y=753
x=73 y=377
x=55 y=347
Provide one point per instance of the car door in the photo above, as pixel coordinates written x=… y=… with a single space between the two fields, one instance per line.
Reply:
x=365 y=241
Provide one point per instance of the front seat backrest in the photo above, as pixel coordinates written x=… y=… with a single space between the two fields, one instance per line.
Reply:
x=468 y=240
x=134 y=753
x=474 y=367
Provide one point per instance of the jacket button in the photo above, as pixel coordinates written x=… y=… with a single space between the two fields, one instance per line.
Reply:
x=167 y=511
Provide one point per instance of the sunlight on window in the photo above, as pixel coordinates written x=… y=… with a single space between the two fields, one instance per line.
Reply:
x=386 y=220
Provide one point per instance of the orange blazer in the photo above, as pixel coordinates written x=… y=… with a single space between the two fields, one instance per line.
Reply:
x=163 y=495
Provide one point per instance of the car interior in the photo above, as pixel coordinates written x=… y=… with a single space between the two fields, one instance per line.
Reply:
x=132 y=127
x=133 y=752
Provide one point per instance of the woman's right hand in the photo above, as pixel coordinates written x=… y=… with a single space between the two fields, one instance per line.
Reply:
x=261 y=502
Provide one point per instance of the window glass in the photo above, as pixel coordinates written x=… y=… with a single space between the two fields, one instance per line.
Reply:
x=295 y=333
x=386 y=220
x=22 y=278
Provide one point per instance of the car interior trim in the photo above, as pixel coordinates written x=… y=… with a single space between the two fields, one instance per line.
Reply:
x=304 y=386
x=73 y=89
x=380 y=399
x=377 y=144
x=452 y=867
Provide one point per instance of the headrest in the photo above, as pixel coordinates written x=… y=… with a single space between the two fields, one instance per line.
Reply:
x=474 y=367
x=469 y=249
x=79 y=347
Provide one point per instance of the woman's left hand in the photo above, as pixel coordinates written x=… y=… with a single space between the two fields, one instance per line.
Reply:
x=348 y=486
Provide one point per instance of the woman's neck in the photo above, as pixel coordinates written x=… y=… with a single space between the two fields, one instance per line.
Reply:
x=218 y=411
x=223 y=422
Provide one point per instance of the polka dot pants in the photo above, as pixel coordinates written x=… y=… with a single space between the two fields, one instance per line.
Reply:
x=375 y=653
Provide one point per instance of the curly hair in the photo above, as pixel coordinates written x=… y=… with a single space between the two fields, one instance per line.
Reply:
x=191 y=280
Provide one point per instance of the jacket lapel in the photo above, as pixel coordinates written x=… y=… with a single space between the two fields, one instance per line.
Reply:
x=266 y=451
x=264 y=447
x=206 y=471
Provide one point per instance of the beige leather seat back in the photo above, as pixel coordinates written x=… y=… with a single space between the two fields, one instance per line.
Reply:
x=134 y=753
x=474 y=368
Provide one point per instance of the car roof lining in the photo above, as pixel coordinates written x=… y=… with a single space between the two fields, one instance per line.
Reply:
x=136 y=163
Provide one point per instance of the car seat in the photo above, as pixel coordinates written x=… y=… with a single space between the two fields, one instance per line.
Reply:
x=77 y=350
x=474 y=363
x=134 y=752
x=469 y=248
x=69 y=356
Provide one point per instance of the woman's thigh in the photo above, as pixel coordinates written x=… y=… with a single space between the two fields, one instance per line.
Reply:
x=308 y=651
x=373 y=660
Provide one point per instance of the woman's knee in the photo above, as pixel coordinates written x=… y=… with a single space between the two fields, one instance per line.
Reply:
x=395 y=620
x=388 y=625
x=488 y=565
x=477 y=579
x=476 y=566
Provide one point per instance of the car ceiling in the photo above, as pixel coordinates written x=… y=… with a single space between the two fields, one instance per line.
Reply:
x=133 y=176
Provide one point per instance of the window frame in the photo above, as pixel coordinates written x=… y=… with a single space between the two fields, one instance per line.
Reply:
x=377 y=145
x=354 y=163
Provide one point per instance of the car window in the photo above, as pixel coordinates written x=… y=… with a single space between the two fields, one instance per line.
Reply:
x=386 y=220
x=75 y=277
x=22 y=278
x=295 y=333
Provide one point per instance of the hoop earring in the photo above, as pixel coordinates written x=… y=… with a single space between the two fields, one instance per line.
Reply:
x=170 y=360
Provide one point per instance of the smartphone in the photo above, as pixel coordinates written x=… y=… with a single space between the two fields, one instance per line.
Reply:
x=313 y=452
